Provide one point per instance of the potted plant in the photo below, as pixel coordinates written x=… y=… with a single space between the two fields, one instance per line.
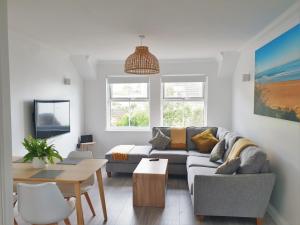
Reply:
x=39 y=152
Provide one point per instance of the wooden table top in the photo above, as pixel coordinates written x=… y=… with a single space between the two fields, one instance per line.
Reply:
x=152 y=167
x=71 y=173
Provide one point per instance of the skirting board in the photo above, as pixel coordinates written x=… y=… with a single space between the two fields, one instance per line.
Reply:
x=278 y=219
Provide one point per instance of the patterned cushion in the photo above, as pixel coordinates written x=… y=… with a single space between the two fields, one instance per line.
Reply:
x=160 y=141
x=229 y=167
x=218 y=151
x=165 y=130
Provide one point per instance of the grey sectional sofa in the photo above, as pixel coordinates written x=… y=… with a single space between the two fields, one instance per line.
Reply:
x=239 y=195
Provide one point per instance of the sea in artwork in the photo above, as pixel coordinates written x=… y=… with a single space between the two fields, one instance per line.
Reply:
x=277 y=77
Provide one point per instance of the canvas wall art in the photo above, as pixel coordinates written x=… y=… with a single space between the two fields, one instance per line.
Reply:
x=277 y=77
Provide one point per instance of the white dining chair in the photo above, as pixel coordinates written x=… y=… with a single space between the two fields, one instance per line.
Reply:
x=15 y=198
x=43 y=204
x=68 y=189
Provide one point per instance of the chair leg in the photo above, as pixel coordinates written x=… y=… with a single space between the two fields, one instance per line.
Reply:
x=67 y=221
x=89 y=203
x=259 y=221
x=108 y=174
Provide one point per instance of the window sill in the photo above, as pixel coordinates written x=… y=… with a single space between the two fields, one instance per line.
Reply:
x=127 y=130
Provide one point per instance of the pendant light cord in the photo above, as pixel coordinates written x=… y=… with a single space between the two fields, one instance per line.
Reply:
x=142 y=37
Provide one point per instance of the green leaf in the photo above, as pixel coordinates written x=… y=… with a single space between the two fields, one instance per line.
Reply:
x=39 y=148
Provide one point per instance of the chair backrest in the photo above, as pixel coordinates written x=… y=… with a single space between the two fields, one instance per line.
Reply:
x=42 y=203
x=83 y=155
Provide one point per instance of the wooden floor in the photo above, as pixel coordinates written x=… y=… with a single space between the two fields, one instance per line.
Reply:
x=178 y=210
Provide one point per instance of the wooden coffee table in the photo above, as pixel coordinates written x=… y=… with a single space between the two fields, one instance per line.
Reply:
x=149 y=183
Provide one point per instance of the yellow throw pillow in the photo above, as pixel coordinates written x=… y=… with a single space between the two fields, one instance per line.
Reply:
x=205 y=141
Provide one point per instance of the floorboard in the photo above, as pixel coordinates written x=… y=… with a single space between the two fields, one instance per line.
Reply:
x=178 y=209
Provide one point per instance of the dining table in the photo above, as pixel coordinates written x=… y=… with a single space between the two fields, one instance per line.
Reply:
x=71 y=174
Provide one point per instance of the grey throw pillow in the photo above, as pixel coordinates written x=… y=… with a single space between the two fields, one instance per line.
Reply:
x=218 y=151
x=160 y=141
x=221 y=133
x=229 y=167
x=252 y=160
x=266 y=167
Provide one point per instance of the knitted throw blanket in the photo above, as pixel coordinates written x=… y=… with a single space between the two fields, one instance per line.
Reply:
x=120 y=152
x=238 y=147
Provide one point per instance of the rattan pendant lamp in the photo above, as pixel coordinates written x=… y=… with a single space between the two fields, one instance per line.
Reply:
x=141 y=62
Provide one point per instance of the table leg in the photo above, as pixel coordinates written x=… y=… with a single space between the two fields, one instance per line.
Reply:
x=78 y=204
x=101 y=192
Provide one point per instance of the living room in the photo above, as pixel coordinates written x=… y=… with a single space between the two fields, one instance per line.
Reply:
x=208 y=59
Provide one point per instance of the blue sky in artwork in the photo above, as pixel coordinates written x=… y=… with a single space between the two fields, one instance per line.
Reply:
x=282 y=50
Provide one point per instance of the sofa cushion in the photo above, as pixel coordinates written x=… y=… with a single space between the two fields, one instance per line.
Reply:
x=134 y=156
x=174 y=156
x=192 y=131
x=199 y=154
x=252 y=160
x=218 y=151
x=193 y=171
x=230 y=139
x=205 y=141
x=229 y=167
x=160 y=141
x=164 y=130
x=266 y=168
x=194 y=161
x=221 y=133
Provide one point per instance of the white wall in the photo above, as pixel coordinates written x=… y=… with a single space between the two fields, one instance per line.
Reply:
x=37 y=72
x=280 y=138
x=218 y=108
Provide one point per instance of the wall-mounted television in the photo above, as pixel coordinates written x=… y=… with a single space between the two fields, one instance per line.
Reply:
x=51 y=118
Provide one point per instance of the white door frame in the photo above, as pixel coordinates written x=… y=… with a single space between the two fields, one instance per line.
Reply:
x=6 y=212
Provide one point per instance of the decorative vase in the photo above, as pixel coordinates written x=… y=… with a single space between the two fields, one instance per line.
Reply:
x=38 y=163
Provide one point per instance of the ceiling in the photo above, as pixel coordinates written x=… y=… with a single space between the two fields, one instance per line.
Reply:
x=108 y=29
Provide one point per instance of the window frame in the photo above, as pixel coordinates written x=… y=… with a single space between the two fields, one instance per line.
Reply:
x=110 y=99
x=193 y=78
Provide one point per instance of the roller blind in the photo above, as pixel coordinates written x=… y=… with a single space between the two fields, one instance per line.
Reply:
x=127 y=79
x=183 y=78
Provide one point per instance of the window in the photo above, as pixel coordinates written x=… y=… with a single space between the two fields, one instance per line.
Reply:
x=128 y=103
x=183 y=101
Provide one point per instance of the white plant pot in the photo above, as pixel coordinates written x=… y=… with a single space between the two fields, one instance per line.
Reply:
x=38 y=163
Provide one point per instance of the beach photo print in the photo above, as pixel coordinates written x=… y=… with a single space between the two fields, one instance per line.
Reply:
x=277 y=77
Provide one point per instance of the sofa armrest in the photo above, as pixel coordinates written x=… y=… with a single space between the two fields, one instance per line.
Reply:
x=244 y=195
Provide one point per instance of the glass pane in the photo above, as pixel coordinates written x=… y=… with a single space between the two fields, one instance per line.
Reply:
x=183 y=114
x=129 y=90
x=183 y=90
x=119 y=114
x=193 y=114
x=139 y=116
x=129 y=114
x=173 y=114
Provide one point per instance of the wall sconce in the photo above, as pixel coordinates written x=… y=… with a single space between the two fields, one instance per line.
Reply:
x=67 y=81
x=246 y=77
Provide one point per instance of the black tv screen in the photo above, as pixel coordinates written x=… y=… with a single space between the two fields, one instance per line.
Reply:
x=51 y=118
